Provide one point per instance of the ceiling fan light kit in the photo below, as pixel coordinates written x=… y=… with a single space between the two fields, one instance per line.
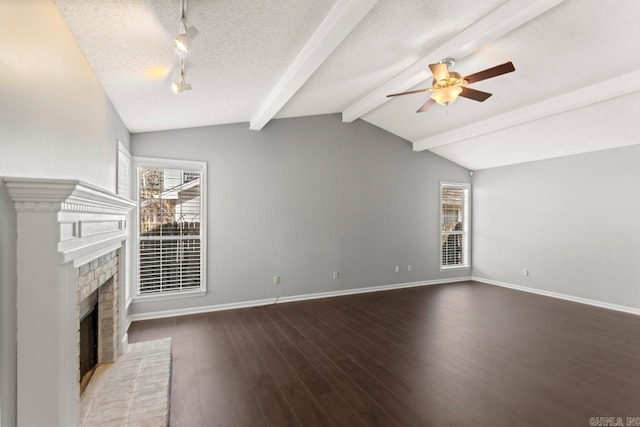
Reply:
x=183 y=44
x=448 y=85
x=446 y=95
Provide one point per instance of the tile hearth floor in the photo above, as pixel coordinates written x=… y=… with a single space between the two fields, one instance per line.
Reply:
x=132 y=391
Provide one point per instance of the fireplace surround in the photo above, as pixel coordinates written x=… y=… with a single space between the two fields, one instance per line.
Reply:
x=63 y=226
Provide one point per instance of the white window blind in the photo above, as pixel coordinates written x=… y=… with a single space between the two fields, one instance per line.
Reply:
x=170 y=228
x=454 y=225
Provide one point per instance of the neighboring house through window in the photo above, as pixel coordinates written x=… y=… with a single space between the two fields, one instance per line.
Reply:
x=171 y=226
x=454 y=225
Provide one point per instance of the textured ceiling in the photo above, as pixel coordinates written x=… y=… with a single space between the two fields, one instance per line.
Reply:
x=255 y=60
x=242 y=49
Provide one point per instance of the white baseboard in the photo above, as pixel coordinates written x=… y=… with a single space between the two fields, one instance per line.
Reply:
x=255 y=303
x=601 y=304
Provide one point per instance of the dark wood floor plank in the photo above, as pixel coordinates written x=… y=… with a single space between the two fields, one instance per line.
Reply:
x=297 y=393
x=327 y=367
x=227 y=397
x=458 y=354
x=306 y=408
x=333 y=346
x=314 y=348
x=306 y=373
x=388 y=368
x=296 y=349
x=374 y=343
x=215 y=401
x=275 y=408
x=278 y=367
x=339 y=411
x=245 y=350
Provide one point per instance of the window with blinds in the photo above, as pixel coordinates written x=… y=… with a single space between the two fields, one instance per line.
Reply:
x=454 y=225
x=170 y=227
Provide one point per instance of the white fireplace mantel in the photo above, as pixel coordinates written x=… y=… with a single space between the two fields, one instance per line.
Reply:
x=61 y=225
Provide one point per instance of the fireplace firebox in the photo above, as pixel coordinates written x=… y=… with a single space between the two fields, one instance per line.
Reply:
x=88 y=339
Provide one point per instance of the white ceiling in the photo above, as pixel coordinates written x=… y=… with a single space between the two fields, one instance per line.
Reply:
x=575 y=89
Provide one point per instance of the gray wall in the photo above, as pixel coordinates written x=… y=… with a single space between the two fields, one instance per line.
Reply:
x=572 y=221
x=305 y=197
x=55 y=121
x=8 y=313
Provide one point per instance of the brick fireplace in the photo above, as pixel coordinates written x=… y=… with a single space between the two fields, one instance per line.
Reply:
x=97 y=289
x=72 y=242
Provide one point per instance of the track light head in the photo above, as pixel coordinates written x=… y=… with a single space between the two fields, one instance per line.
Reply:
x=179 y=87
x=183 y=41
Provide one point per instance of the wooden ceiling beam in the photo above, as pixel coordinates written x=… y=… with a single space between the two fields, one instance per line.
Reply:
x=336 y=26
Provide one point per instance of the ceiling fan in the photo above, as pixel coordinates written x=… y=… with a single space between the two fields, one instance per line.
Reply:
x=448 y=85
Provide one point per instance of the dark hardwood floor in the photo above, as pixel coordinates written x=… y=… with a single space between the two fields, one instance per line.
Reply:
x=462 y=354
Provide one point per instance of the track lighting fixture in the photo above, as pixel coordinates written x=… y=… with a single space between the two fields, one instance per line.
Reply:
x=185 y=37
x=183 y=43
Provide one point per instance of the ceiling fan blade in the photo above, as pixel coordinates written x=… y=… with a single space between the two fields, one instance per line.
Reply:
x=476 y=95
x=409 y=92
x=426 y=106
x=496 y=71
x=440 y=71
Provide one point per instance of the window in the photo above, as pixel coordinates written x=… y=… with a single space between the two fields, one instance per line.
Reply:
x=454 y=225
x=171 y=226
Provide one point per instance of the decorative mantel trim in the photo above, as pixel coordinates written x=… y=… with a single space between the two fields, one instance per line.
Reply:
x=66 y=195
x=91 y=221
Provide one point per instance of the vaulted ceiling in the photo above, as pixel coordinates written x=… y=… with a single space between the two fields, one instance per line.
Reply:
x=575 y=87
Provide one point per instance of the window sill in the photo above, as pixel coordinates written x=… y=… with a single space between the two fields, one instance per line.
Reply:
x=454 y=267
x=169 y=296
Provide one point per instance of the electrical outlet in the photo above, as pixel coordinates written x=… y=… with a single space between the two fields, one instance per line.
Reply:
x=276 y=280
x=336 y=274
x=525 y=271
x=409 y=267
x=397 y=269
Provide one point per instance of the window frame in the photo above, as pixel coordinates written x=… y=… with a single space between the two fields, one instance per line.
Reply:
x=163 y=163
x=124 y=184
x=466 y=226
